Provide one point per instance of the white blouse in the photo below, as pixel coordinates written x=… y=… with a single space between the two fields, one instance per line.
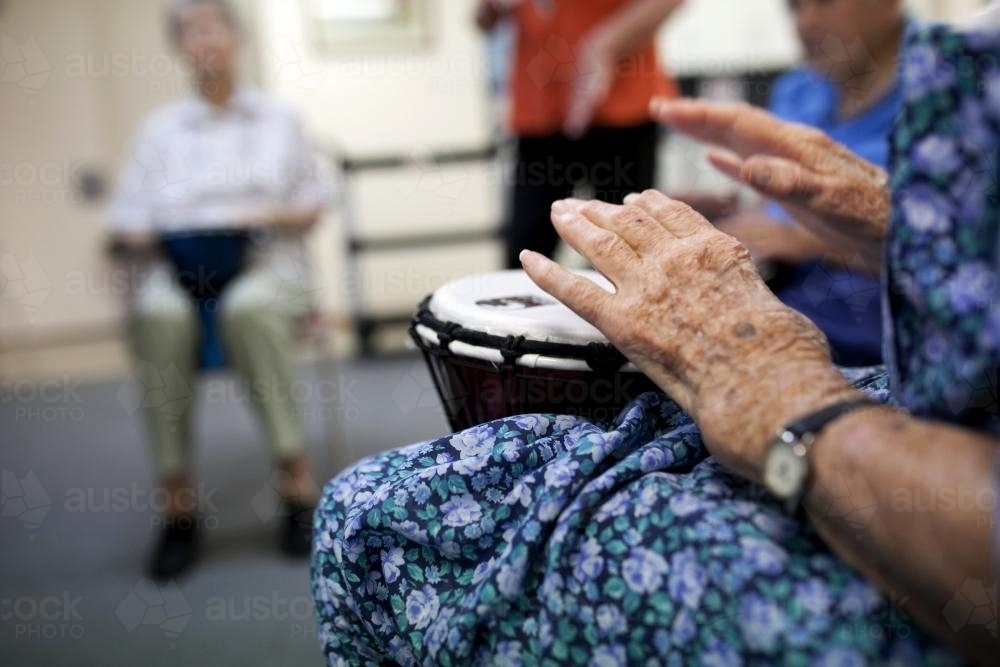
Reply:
x=200 y=167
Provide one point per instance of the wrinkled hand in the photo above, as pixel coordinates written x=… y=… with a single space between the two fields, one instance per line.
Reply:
x=692 y=312
x=830 y=190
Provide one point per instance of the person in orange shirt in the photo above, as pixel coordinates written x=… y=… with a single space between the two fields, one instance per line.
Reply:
x=583 y=77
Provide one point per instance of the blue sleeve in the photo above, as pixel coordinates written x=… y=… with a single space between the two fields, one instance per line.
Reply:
x=783 y=93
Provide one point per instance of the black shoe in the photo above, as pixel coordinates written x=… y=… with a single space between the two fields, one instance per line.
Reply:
x=297 y=539
x=178 y=548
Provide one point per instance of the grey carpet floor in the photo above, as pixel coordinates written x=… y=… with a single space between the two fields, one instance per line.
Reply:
x=73 y=589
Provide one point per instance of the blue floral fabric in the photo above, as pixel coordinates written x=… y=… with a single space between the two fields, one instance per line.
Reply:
x=549 y=540
x=545 y=540
x=943 y=252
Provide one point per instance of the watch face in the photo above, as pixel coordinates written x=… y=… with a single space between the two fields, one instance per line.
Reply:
x=784 y=471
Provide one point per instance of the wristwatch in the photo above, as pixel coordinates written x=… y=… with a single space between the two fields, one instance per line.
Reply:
x=786 y=466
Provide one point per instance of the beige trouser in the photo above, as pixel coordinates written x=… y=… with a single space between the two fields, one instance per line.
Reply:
x=257 y=318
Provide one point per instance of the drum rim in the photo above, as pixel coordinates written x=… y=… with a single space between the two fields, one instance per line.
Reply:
x=598 y=356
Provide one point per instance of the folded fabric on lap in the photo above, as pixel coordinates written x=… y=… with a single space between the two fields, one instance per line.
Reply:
x=545 y=539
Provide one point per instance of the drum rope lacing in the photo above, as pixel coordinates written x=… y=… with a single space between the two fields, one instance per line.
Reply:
x=600 y=357
x=447 y=335
x=510 y=350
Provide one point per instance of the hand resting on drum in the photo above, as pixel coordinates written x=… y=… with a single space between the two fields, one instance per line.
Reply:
x=693 y=313
x=691 y=309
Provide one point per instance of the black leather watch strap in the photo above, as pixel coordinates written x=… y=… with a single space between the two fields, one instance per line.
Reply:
x=808 y=427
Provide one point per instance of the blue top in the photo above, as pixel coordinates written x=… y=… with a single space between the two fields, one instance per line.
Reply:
x=844 y=302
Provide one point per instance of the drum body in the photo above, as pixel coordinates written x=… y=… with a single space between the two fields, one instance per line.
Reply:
x=498 y=346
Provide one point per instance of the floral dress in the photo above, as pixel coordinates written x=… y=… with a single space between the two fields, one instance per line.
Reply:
x=550 y=540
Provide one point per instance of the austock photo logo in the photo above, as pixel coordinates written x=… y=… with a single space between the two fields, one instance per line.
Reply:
x=24 y=65
x=152 y=170
x=24 y=499
x=278 y=496
x=966 y=164
x=690 y=172
x=292 y=64
x=718 y=396
x=416 y=391
x=24 y=282
x=58 y=181
x=560 y=62
x=43 y=618
x=850 y=65
x=431 y=172
x=291 y=278
x=836 y=497
x=162 y=606
x=148 y=387
x=298 y=612
x=758 y=618
x=197 y=506
x=973 y=173
x=974 y=605
x=850 y=282
x=973 y=389
x=49 y=400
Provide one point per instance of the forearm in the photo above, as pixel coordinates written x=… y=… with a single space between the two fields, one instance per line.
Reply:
x=486 y=17
x=928 y=489
x=632 y=25
x=772 y=239
x=804 y=246
x=741 y=406
x=910 y=503
x=714 y=207
x=133 y=245
x=296 y=220
x=489 y=13
x=860 y=251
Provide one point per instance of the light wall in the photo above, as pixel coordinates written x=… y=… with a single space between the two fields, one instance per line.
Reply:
x=373 y=101
x=78 y=119
x=100 y=53
x=424 y=98
x=109 y=65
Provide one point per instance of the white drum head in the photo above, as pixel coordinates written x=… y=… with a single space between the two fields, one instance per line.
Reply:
x=508 y=303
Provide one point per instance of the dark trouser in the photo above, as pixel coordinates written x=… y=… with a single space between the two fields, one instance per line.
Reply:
x=613 y=160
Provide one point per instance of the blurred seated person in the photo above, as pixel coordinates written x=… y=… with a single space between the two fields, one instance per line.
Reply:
x=855 y=102
x=218 y=184
x=584 y=74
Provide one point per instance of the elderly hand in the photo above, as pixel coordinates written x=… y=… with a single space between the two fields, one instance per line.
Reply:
x=831 y=191
x=692 y=312
x=769 y=239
